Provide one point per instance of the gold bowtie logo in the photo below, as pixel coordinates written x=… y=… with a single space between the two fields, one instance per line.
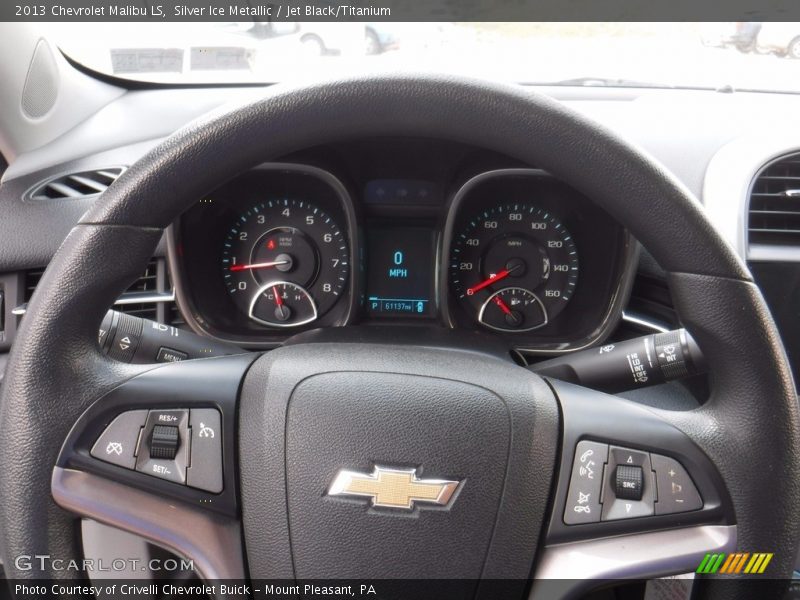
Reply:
x=393 y=488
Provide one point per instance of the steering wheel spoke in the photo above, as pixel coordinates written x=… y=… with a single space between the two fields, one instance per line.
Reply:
x=155 y=457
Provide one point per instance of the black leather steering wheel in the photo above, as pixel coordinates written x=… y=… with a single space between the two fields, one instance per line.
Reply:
x=306 y=410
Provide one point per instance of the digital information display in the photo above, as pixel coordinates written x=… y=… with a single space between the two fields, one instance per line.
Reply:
x=400 y=272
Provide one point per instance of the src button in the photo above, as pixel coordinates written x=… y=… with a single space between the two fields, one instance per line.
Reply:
x=628 y=482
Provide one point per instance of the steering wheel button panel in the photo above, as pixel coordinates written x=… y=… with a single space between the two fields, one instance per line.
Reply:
x=117 y=444
x=583 y=501
x=676 y=490
x=171 y=469
x=205 y=469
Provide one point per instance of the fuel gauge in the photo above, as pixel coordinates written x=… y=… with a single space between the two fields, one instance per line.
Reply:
x=283 y=304
x=513 y=309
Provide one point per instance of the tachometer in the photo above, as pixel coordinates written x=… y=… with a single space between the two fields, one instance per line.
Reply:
x=514 y=267
x=285 y=262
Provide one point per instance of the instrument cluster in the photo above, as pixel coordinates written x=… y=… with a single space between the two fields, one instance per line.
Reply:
x=288 y=247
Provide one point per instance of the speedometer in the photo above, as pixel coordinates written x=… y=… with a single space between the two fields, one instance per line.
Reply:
x=285 y=262
x=514 y=267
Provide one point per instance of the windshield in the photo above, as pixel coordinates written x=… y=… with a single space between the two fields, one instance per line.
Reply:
x=744 y=56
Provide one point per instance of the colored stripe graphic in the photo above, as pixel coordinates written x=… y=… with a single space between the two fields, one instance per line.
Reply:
x=758 y=563
x=703 y=564
x=711 y=563
x=732 y=558
x=734 y=563
x=740 y=564
x=754 y=564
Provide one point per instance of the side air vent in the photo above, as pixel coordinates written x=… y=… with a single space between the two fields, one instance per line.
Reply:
x=774 y=215
x=150 y=296
x=76 y=185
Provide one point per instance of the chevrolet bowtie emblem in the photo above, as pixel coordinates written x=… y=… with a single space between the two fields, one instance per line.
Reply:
x=393 y=488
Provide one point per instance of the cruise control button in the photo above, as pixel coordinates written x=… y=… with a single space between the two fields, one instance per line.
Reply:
x=205 y=470
x=117 y=444
x=164 y=441
x=172 y=469
x=676 y=490
x=585 y=484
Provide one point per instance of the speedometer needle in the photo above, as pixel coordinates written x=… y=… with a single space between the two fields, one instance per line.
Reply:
x=492 y=279
x=263 y=265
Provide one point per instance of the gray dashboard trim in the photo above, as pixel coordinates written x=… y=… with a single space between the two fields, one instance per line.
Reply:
x=727 y=185
x=644 y=321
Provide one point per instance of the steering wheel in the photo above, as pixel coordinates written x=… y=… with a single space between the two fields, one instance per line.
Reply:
x=293 y=422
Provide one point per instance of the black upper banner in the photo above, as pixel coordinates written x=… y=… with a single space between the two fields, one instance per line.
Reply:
x=398 y=10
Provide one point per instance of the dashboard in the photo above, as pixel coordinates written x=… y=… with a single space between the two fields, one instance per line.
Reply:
x=401 y=232
x=731 y=137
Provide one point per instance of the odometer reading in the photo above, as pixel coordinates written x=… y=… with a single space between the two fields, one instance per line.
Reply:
x=513 y=267
x=285 y=262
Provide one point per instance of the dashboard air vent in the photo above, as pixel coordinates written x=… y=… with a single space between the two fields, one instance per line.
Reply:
x=149 y=297
x=774 y=215
x=76 y=185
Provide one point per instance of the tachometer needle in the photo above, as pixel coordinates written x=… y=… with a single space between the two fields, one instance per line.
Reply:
x=263 y=265
x=493 y=279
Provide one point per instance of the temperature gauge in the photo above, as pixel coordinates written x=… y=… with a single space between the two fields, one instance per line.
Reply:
x=513 y=309
x=283 y=304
